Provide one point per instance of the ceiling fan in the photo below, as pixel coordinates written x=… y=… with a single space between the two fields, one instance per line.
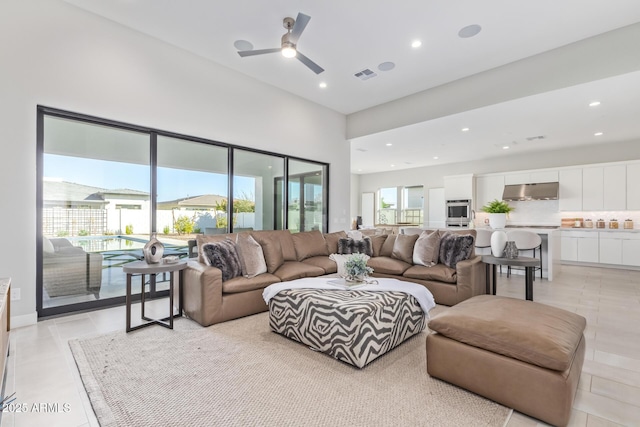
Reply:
x=289 y=43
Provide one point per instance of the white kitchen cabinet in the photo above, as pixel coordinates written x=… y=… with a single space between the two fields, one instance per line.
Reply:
x=592 y=189
x=459 y=187
x=614 y=188
x=488 y=188
x=630 y=249
x=570 y=198
x=610 y=247
x=569 y=248
x=517 y=178
x=588 y=249
x=543 y=176
x=533 y=177
x=633 y=189
x=579 y=246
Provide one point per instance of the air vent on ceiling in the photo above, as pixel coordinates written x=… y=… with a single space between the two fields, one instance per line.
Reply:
x=533 y=138
x=365 y=74
x=361 y=149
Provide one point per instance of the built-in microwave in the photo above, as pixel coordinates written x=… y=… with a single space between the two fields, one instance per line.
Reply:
x=458 y=213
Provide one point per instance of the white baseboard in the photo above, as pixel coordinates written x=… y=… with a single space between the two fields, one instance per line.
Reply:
x=24 y=320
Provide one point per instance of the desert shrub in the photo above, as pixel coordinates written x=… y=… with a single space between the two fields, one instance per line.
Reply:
x=184 y=225
x=128 y=229
x=166 y=229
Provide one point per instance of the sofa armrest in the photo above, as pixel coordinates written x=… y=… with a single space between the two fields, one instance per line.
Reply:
x=471 y=278
x=202 y=293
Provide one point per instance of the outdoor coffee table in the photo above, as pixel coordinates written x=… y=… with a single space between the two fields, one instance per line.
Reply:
x=521 y=261
x=142 y=268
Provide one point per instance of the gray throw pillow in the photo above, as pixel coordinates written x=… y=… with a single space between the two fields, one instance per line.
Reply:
x=455 y=248
x=350 y=246
x=426 y=251
x=251 y=256
x=223 y=255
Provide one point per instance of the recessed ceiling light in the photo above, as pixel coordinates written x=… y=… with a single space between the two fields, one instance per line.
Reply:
x=435 y=157
x=594 y=104
x=416 y=44
x=393 y=166
x=469 y=31
x=242 y=45
x=359 y=170
x=505 y=147
x=322 y=85
x=465 y=129
x=386 y=66
x=388 y=144
x=597 y=134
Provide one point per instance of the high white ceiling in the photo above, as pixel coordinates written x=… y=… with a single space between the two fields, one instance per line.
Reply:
x=345 y=37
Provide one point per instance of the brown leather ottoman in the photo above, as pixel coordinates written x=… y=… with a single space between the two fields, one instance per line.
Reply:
x=522 y=354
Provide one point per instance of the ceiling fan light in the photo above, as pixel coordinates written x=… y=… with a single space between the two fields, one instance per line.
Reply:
x=288 y=52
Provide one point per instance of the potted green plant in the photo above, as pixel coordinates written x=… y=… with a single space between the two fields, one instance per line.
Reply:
x=497 y=210
x=357 y=269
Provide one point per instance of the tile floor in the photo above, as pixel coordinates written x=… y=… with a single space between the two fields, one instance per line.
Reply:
x=41 y=368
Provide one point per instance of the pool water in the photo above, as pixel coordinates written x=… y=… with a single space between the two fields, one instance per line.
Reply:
x=107 y=243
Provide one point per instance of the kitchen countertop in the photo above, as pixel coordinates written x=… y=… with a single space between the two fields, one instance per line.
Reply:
x=615 y=230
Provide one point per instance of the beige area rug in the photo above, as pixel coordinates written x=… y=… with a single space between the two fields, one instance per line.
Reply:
x=239 y=373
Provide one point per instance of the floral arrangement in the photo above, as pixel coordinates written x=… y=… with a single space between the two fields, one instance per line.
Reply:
x=356 y=267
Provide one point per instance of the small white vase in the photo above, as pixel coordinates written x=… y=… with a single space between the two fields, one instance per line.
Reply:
x=498 y=242
x=497 y=220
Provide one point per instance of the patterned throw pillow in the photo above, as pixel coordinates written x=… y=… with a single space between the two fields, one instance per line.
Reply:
x=223 y=255
x=350 y=246
x=455 y=248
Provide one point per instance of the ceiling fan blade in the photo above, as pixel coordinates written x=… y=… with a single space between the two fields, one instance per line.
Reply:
x=244 y=53
x=301 y=22
x=309 y=63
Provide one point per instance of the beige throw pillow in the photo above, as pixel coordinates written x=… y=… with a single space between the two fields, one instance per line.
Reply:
x=272 y=250
x=427 y=248
x=251 y=256
x=403 y=247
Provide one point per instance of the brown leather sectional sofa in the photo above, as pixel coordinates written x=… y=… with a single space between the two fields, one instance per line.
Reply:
x=208 y=299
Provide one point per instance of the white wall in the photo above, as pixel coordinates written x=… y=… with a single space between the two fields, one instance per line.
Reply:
x=56 y=55
x=432 y=177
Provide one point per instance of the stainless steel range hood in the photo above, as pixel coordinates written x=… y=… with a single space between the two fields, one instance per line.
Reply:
x=540 y=191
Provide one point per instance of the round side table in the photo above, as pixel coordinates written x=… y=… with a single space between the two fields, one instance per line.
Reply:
x=142 y=268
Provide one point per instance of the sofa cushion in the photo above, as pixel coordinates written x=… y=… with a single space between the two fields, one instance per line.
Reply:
x=328 y=265
x=387 y=246
x=455 y=248
x=427 y=248
x=282 y=236
x=308 y=244
x=245 y=284
x=403 y=247
x=331 y=239
x=201 y=239
x=291 y=270
x=524 y=330
x=438 y=272
x=271 y=249
x=388 y=265
x=223 y=255
x=376 y=244
x=351 y=246
x=251 y=255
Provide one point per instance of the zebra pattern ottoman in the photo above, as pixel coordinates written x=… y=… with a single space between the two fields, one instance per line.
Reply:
x=353 y=326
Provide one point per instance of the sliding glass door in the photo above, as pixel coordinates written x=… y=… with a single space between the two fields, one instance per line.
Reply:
x=306 y=196
x=105 y=187
x=95 y=210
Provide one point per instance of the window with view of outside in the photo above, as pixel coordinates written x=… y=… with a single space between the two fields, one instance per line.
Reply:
x=387 y=205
